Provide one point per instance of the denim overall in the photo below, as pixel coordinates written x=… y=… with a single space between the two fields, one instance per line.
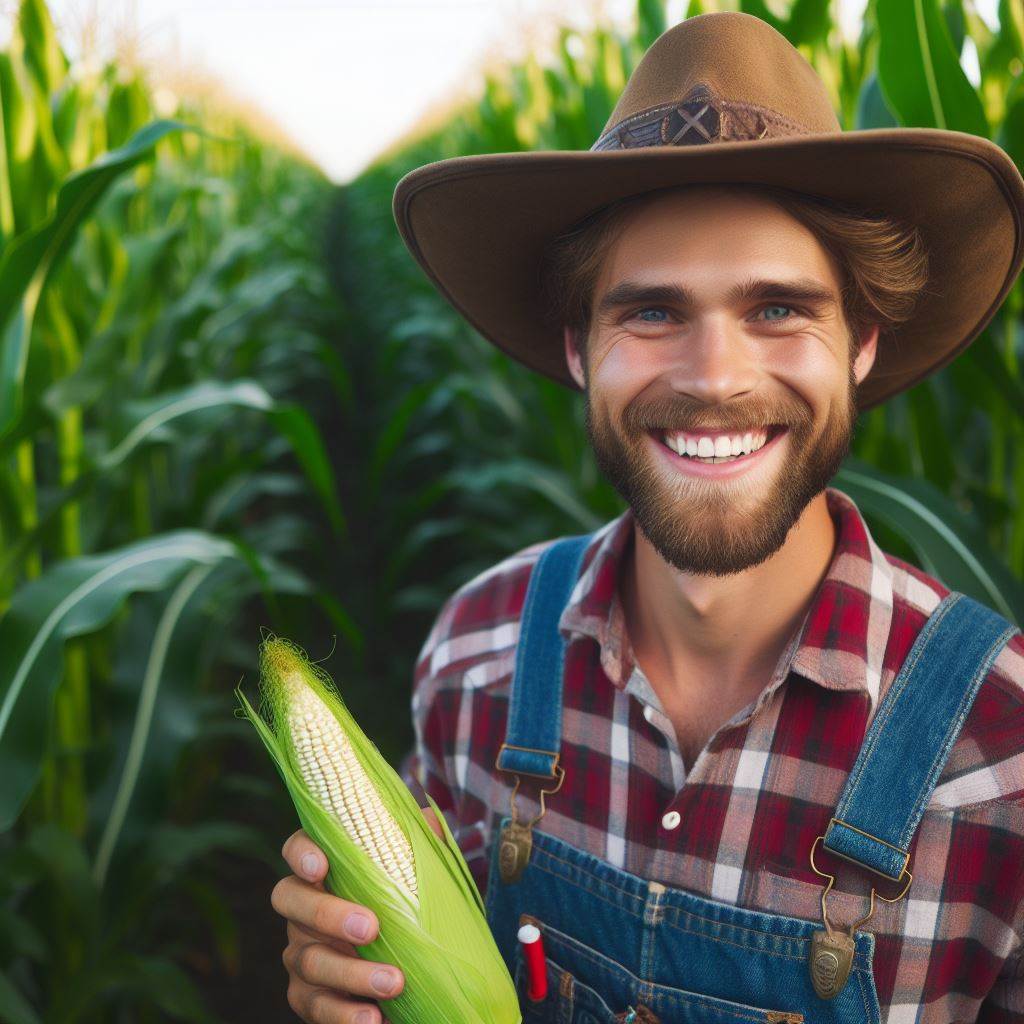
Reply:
x=621 y=948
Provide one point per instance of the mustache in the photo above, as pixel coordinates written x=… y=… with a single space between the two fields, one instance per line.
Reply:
x=692 y=417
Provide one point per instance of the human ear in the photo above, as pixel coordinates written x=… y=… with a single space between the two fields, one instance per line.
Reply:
x=867 y=352
x=572 y=356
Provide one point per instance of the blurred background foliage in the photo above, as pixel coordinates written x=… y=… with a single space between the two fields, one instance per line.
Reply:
x=229 y=400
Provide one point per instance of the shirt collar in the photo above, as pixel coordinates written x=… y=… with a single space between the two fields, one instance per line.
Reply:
x=839 y=644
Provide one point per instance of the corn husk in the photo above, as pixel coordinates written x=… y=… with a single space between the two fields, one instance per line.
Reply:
x=438 y=936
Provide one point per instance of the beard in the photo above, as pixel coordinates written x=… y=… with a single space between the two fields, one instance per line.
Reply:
x=713 y=527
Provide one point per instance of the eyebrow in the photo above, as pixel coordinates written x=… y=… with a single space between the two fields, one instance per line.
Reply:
x=626 y=293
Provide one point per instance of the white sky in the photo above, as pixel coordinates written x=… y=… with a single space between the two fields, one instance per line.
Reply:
x=344 y=78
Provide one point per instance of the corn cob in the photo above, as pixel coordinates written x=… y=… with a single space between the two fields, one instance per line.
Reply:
x=380 y=850
x=331 y=770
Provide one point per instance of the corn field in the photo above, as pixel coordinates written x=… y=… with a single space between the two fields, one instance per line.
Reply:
x=229 y=399
x=167 y=363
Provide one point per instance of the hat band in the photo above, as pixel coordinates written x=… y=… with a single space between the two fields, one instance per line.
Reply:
x=699 y=118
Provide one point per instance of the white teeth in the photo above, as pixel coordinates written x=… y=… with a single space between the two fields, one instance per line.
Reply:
x=723 y=446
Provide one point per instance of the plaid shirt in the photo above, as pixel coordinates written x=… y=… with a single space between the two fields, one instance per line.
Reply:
x=768 y=780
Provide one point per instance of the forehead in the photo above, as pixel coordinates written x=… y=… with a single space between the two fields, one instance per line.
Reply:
x=716 y=233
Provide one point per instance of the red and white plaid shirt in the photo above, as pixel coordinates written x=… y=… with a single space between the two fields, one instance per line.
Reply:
x=768 y=780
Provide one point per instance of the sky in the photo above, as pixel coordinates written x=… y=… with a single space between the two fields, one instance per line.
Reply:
x=345 y=78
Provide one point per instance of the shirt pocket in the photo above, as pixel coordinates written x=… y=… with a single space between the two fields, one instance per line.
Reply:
x=777 y=893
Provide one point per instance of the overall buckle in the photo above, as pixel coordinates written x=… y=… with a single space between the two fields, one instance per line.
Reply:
x=516 y=840
x=831 y=956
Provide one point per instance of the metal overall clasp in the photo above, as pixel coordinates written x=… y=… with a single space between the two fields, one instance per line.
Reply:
x=832 y=950
x=516 y=838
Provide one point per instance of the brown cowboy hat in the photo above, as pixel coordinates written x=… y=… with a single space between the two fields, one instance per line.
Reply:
x=722 y=97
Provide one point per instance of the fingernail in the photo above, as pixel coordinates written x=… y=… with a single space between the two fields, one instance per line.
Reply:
x=364 y=1017
x=383 y=981
x=357 y=925
x=310 y=864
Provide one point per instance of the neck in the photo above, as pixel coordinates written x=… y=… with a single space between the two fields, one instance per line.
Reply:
x=727 y=631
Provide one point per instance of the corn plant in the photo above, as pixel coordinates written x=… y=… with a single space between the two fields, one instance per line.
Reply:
x=165 y=339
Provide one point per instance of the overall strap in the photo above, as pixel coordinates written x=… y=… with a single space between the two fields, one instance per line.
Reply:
x=912 y=733
x=534 y=737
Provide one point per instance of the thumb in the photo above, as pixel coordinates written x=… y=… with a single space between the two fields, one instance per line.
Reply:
x=428 y=813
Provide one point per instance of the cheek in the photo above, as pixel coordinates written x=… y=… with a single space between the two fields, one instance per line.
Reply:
x=626 y=363
x=807 y=363
x=813 y=377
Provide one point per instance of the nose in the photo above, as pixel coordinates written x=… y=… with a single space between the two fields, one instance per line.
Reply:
x=713 y=363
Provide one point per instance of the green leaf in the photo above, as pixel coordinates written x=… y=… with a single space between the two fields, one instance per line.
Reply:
x=43 y=55
x=176 y=847
x=217 y=913
x=131 y=979
x=985 y=355
x=152 y=675
x=66 y=876
x=20 y=937
x=233 y=498
x=951 y=546
x=531 y=476
x=919 y=70
x=147 y=417
x=390 y=438
x=871 y=109
x=304 y=436
x=28 y=259
x=761 y=10
x=162 y=984
x=650 y=21
x=1011 y=26
x=72 y=598
x=809 y=22
x=14 y=1007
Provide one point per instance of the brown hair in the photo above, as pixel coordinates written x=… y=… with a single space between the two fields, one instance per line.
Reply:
x=883 y=263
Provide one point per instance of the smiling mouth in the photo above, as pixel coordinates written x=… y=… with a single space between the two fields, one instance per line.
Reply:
x=771 y=432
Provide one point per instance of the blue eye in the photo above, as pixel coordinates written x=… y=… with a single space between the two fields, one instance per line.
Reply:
x=650 y=309
x=660 y=314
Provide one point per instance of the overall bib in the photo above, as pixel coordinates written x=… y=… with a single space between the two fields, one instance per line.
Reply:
x=621 y=948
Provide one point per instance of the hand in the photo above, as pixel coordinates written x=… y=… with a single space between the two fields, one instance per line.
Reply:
x=328 y=982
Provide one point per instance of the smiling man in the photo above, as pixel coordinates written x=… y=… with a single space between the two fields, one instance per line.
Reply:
x=720 y=373
x=733 y=760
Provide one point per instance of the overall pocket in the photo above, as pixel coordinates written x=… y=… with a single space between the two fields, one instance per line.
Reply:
x=568 y=1000
x=580 y=978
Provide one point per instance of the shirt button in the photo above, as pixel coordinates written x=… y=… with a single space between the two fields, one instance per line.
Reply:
x=648 y=712
x=670 y=820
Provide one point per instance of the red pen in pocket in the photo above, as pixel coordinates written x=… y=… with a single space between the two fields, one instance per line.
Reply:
x=533 y=958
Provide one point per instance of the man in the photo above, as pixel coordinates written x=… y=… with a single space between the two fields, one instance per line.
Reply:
x=732 y=759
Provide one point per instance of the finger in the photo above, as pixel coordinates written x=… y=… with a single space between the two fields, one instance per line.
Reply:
x=301 y=902
x=304 y=857
x=300 y=934
x=321 y=966
x=322 y=1006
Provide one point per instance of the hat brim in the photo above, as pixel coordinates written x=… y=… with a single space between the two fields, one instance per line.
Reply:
x=477 y=225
